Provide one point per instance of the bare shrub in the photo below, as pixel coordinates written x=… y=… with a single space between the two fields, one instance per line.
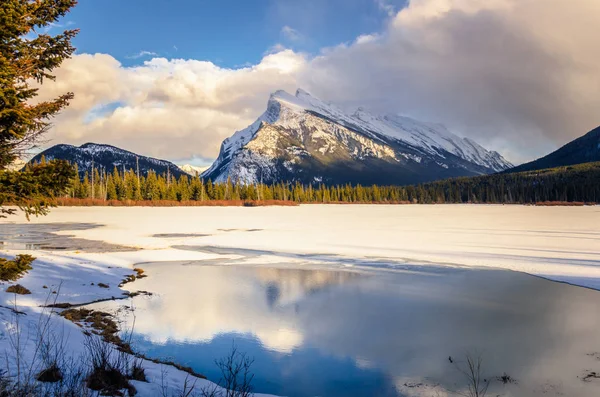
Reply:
x=72 y=383
x=108 y=367
x=137 y=371
x=236 y=376
x=186 y=390
x=189 y=385
x=471 y=369
x=51 y=374
x=37 y=363
x=506 y=379
x=212 y=390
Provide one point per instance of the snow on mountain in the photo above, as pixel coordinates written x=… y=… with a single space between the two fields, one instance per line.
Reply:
x=300 y=137
x=192 y=169
x=433 y=138
x=107 y=157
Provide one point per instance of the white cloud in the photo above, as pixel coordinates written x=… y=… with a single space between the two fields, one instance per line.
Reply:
x=275 y=49
x=176 y=109
x=519 y=76
x=143 y=54
x=386 y=7
x=291 y=33
x=366 y=38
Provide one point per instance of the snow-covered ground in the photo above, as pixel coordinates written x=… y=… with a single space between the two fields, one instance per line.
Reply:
x=558 y=243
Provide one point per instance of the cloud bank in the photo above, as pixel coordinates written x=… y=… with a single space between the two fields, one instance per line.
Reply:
x=518 y=76
x=175 y=109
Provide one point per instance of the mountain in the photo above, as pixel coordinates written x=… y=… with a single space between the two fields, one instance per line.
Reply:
x=585 y=149
x=301 y=138
x=107 y=157
x=192 y=170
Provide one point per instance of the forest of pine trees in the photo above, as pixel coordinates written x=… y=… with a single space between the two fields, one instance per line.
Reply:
x=580 y=183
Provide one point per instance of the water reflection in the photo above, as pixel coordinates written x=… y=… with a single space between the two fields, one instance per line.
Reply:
x=43 y=236
x=331 y=332
x=215 y=300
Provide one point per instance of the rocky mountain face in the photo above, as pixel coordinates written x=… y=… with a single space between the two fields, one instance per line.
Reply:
x=301 y=138
x=107 y=157
x=585 y=149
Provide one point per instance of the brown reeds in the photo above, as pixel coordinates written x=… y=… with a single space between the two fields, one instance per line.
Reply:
x=73 y=202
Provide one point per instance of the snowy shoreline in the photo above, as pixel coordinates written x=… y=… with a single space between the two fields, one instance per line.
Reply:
x=76 y=284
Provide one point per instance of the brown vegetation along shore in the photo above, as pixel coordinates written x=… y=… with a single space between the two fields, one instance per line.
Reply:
x=364 y=202
x=562 y=204
x=74 y=202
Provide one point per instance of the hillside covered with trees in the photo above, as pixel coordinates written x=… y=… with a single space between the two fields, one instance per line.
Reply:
x=579 y=183
x=585 y=149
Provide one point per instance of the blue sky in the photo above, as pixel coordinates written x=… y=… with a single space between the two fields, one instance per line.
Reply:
x=230 y=33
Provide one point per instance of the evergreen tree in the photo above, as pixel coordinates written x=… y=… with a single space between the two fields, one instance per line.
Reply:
x=579 y=183
x=26 y=56
x=111 y=189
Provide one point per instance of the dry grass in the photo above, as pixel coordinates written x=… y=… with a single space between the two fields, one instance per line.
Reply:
x=72 y=202
x=363 y=202
x=132 y=277
x=137 y=371
x=561 y=204
x=102 y=323
x=18 y=289
x=109 y=369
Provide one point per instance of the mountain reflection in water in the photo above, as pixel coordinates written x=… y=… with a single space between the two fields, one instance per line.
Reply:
x=353 y=333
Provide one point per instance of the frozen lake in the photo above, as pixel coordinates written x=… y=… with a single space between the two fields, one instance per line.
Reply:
x=560 y=243
x=342 y=299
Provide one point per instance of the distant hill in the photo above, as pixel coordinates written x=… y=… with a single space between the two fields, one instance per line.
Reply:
x=585 y=149
x=573 y=183
x=107 y=157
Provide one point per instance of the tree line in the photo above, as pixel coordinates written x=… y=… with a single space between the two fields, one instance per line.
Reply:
x=580 y=183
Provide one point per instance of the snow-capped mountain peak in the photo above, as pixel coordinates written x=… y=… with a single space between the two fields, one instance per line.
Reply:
x=300 y=127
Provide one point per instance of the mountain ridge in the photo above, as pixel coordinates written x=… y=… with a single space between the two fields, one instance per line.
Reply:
x=301 y=138
x=107 y=157
x=585 y=149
